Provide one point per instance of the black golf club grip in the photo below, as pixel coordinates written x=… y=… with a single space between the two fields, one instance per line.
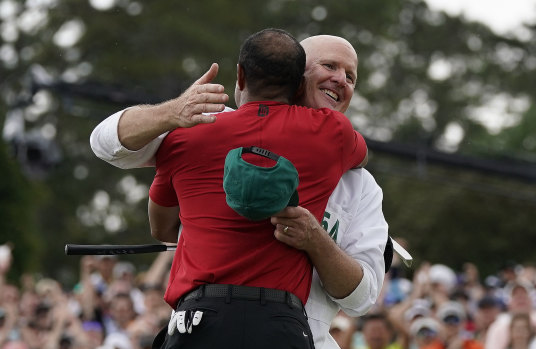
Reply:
x=72 y=249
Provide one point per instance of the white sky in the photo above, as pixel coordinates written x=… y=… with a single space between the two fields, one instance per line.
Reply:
x=503 y=16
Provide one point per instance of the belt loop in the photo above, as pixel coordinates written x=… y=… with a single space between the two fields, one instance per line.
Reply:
x=229 y=294
x=262 y=296
x=200 y=292
x=288 y=300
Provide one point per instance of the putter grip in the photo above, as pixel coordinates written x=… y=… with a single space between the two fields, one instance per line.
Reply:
x=72 y=249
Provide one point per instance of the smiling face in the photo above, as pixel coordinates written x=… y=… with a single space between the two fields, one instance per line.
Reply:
x=330 y=72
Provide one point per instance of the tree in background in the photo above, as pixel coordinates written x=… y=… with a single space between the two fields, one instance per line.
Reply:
x=18 y=203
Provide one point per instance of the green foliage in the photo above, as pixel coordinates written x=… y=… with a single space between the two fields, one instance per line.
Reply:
x=451 y=216
x=18 y=200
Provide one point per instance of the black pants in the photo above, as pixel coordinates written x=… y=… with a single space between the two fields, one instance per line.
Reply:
x=239 y=323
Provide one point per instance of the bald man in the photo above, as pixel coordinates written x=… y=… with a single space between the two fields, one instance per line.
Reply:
x=347 y=247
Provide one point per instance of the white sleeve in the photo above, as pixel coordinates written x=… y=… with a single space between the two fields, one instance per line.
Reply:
x=364 y=239
x=105 y=144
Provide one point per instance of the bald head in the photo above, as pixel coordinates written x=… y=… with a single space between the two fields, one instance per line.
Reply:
x=322 y=44
x=319 y=40
x=330 y=72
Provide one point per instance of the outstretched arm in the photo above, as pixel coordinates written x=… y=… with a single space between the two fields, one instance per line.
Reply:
x=131 y=137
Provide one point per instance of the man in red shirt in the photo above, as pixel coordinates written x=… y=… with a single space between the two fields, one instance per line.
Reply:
x=249 y=286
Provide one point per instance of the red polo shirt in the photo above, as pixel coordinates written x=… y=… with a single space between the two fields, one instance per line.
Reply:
x=216 y=244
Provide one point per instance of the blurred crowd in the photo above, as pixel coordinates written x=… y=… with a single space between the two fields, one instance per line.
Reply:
x=115 y=306
x=442 y=308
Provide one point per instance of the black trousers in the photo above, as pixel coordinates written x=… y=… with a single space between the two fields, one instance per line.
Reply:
x=241 y=323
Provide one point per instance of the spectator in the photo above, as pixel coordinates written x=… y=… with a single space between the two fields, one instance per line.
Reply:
x=417 y=304
x=426 y=333
x=103 y=275
x=378 y=332
x=342 y=329
x=121 y=313
x=151 y=321
x=94 y=333
x=117 y=341
x=443 y=281
x=461 y=296
x=507 y=273
x=453 y=317
x=521 y=332
x=488 y=308
x=470 y=282
x=125 y=272
x=518 y=300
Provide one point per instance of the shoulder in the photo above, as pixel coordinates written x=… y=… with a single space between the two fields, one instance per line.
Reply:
x=356 y=188
x=225 y=110
x=328 y=113
x=321 y=112
x=369 y=182
x=348 y=192
x=358 y=179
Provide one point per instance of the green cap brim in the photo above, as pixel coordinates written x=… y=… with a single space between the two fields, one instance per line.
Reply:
x=294 y=199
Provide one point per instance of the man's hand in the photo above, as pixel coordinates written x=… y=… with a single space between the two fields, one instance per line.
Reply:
x=140 y=125
x=297 y=227
x=202 y=97
x=303 y=228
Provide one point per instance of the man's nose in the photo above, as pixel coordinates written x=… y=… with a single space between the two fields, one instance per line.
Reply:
x=339 y=76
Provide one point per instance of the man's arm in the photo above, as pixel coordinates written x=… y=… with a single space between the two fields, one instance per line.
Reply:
x=131 y=137
x=164 y=222
x=140 y=125
x=353 y=273
x=364 y=240
x=339 y=273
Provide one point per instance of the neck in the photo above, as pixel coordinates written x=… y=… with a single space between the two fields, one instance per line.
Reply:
x=264 y=98
x=246 y=97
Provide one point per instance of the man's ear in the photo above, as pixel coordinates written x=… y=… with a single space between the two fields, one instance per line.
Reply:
x=300 y=92
x=240 y=77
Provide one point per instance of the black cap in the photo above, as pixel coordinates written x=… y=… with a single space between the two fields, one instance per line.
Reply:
x=488 y=302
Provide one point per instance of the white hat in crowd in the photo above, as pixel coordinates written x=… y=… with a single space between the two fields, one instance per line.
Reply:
x=419 y=308
x=441 y=274
x=428 y=325
x=451 y=309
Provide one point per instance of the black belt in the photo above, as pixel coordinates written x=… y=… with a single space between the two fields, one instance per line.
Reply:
x=245 y=292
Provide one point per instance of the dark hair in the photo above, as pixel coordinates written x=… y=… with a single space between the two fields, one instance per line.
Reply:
x=273 y=63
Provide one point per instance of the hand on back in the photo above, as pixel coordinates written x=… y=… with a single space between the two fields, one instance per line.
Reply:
x=188 y=109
